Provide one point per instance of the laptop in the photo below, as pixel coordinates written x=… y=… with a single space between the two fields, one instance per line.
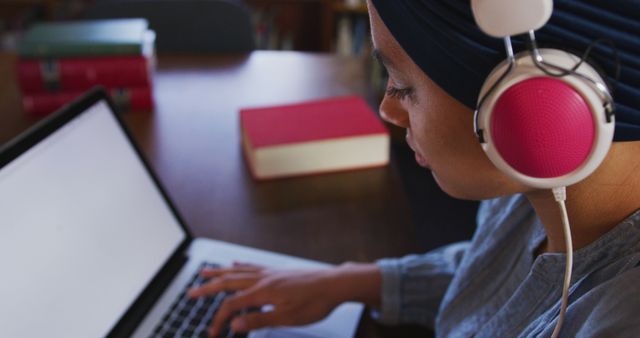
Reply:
x=91 y=245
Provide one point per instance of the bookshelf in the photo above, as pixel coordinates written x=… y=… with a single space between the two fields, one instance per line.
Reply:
x=18 y=15
x=290 y=24
x=343 y=7
x=304 y=25
x=12 y=8
x=350 y=28
x=311 y=25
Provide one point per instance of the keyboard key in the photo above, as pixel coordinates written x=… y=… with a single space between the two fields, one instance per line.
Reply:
x=190 y=317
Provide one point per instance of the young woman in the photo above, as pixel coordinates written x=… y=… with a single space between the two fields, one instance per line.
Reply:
x=508 y=280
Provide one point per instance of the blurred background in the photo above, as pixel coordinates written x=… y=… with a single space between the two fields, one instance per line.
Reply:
x=337 y=27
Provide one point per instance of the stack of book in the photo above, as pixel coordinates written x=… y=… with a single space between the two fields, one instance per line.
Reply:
x=58 y=61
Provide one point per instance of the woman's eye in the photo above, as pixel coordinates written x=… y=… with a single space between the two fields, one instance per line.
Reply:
x=399 y=93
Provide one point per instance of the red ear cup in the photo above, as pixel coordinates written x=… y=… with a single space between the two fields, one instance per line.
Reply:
x=544 y=131
x=542 y=127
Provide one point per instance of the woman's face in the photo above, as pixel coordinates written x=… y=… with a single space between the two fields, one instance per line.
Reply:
x=439 y=128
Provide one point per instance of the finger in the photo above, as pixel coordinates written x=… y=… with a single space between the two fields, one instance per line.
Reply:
x=217 y=272
x=234 y=282
x=230 y=306
x=256 y=320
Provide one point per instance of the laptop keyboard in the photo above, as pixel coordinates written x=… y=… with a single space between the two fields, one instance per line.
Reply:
x=190 y=318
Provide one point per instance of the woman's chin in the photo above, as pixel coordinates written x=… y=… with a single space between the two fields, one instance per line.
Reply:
x=455 y=190
x=421 y=161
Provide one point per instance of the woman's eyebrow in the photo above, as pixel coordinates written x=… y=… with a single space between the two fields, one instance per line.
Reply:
x=380 y=57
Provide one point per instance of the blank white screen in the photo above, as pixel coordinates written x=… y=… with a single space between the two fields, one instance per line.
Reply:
x=83 y=229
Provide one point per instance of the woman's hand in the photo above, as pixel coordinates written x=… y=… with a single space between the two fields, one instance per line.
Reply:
x=297 y=297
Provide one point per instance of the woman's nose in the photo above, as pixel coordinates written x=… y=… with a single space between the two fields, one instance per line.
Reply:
x=392 y=111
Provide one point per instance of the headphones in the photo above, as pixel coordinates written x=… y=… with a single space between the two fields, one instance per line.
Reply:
x=544 y=116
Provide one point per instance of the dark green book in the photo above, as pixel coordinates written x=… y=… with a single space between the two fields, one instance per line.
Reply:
x=86 y=38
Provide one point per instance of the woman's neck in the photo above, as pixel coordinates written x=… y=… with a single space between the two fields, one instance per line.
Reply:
x=595 y=205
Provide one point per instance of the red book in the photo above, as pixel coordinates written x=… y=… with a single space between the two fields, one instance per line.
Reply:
x=313 y=137
x=80 y=74
x=137 y=99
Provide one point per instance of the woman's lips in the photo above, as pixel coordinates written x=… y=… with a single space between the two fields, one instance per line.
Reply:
x=419 y=159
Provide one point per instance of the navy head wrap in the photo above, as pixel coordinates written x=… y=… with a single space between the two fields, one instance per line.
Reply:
x=442 y=38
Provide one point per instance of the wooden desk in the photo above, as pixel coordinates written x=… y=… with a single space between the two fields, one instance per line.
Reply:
x=192 y=140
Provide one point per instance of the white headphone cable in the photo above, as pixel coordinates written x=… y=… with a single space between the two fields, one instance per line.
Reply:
x=560 y=194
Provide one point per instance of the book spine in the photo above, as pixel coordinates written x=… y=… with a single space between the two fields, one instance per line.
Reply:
x=43 y=49
x=135 y=99
x=79 y=74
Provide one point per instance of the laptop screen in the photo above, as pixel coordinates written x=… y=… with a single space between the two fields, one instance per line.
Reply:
x=83 y=230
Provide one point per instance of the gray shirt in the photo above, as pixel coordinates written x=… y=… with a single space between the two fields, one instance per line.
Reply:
x=495 y=286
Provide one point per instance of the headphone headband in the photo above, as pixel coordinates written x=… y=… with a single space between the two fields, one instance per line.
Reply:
x=501 y=18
